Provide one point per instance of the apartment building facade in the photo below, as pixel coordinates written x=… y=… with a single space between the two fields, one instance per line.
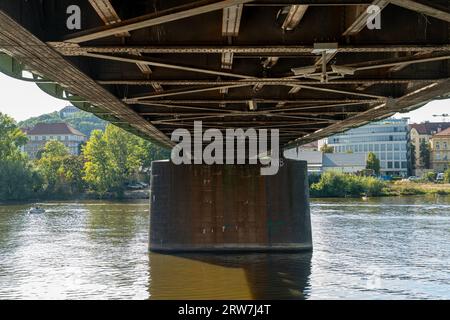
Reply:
x=422 y=133
x=440 y=154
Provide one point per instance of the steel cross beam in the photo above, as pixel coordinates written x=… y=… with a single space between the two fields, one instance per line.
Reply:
x=153 y=19
x=159 y=63
x=265 y=81
x=106 y=11
x=276 y=111
x=72 y=49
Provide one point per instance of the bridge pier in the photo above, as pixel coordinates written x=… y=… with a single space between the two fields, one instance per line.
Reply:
x=229 y=208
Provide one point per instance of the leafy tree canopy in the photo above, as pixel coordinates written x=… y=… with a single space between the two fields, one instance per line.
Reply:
x=11 y=138
x=373 y=163
x=327 y=149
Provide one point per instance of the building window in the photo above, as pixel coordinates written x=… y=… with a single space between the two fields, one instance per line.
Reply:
x=438 y=156
x=437 y=146
x=389 y=164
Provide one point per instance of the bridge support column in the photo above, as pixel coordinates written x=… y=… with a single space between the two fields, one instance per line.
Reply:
x=229 y=208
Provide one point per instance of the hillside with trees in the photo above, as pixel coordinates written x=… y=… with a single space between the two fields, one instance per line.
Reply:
x=82 y=121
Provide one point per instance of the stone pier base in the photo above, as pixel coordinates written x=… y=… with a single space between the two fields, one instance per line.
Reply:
x=229 y=208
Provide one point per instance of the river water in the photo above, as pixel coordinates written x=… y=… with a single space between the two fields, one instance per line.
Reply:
x=391 y=248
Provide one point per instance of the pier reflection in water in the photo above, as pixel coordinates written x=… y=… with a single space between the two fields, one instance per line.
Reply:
x=229 y=276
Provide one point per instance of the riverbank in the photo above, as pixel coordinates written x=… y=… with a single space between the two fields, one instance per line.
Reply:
x=127 y=195
x=339 y=185
x=403 y=188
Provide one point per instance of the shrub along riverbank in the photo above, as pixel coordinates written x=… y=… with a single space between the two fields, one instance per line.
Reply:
x=338 y=185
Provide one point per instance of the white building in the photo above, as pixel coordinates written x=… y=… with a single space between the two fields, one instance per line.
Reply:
x=319 y=162
x=387 y=139
x=44 y=132
x=68 y=111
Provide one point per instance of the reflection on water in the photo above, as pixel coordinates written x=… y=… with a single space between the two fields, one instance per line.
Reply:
x=229 y=276
x=382 y=248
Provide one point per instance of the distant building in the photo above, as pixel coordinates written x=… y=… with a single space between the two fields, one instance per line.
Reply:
x=319 y=162
x=314 y=159
x=387 y=139
x=68 y=111
x=422 y=132
x=313 y=146
x=344 y=162
x=440 y=155
x=44 y=132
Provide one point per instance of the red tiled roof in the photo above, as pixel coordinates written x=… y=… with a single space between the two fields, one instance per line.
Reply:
x=53 y=128
x=430 y=128
x=445 y=132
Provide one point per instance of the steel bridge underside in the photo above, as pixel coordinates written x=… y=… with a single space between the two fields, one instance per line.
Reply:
x=310 y=68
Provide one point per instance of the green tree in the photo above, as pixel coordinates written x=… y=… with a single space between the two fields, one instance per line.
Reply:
x=430 y=176
x=11 y=139
x=50 y=163
x=413 y=156
x=71 y=174
x=373 y=163
x=425 y=154
x=152 y=152
x=96 y=167
x=54 y=149
x=112 y=159
x=18 y=180
x=327 y=149
x=447 y=176
x=62 y=172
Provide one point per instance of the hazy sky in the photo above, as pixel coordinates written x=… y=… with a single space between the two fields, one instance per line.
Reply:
x=22 y=100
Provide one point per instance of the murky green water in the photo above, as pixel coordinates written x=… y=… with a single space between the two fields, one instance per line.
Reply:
x=384 y=249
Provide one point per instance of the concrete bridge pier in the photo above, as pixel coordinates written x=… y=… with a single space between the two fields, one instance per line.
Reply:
x=229 y=208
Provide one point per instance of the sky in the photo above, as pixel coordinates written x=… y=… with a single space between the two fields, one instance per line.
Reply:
x=22 y=100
